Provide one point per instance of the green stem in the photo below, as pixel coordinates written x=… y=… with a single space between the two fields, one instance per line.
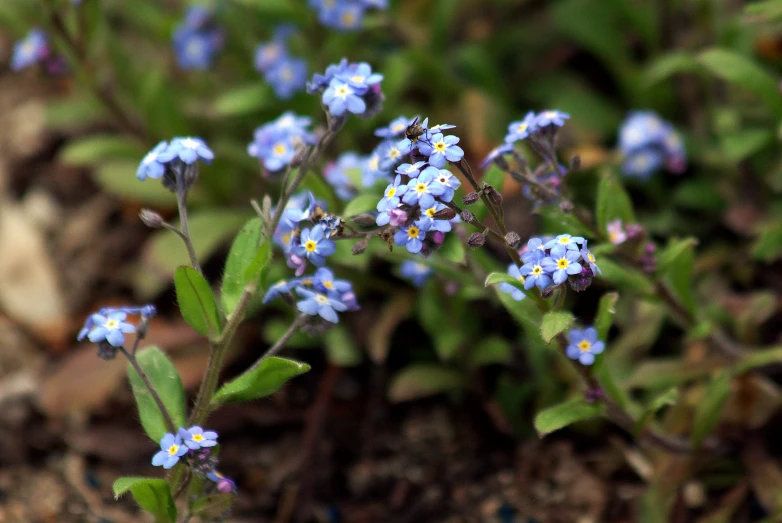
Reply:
x=181 y=202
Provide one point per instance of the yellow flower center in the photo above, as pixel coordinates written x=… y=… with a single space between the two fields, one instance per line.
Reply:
x=398 y=127
x=391 y=192
x=342 y=91
x=173 y=449
x=562 y=263
x=584 y=346
x=430 y=212
x=537 y=270
x=564 y=241
x=612 y=236
x=189 y=143
x=279 y=149
x=307 y=282
x=198 y=437
x=286 y=238
x=310 y=246
x=374 y=162
x=348 y=19
x=357 y=79
x=590 y=257
x=287 y=74
x=320 y=298
x=522 y=279
x=420 y=188
x=440 y=147
x=412 y=232
x=522 y=127
x=329 y=285
x=112 y=324
x=394 y=153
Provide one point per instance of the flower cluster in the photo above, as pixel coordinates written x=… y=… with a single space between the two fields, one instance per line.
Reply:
x=344 y=15
x=647 y=143
x=276 y=143
x=304 y=234
x=552 y=262
x=584 y=345
x=194 y=445
x=34 y=49
x=286 y=74
x=348 y=87
x=197 y=39
x=168 y=158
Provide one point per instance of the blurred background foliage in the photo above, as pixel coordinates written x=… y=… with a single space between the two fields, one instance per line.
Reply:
x=711 y=67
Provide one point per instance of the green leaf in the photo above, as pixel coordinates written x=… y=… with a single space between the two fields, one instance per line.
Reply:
x=263 y=381
x=612 y=202
x=557 y=222
x=341 y=349
x=664 y=373
x=502 y=277
x=94 y=149
x=675 y=266
x=669 y=64
x=768 y=244
x=625 y=278
x=554 y=323
x=243 y=100
x=738 y=146
x=152 y=494
x=212 y=506
x=709 y=409
x=745 y=73
x=433 y=313
x=196 y=302
x=490 y=351
x=246 y=259
x=117 y=177
x=669 y=397
x=418 y=381
x=605 y=314
x=564 y=414
x=166 y=381
x=524 y=311
x=757 y=359
x=361 y=204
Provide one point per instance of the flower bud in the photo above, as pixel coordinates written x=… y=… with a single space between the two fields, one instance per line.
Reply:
x=494 y=196
x=476 y=239
x=106 y=351
x=467 y=216
x=582 y=281
x=470 y=198
x=575 y=163
x=360 y=246
x=512 y=240
x=445 y=214
x=364 y=220
x=438 y=237
x=150 y=218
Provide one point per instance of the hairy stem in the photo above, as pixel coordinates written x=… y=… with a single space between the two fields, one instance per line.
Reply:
x=280 y=344
x=181 y=201
x=155 y=396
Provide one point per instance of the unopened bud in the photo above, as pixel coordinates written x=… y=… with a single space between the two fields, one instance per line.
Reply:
x=364 y=220
x=360 y=247
x=494 y=196
x=512 y=240
x=445 y=214
x=298 y=157
x=575 y=163
x=470 y=198
x=476 y=239
x=150 y=218
x=467 y=216
x=106 y=351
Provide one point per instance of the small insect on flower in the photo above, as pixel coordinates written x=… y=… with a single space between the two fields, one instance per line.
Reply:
x=584 y=345
x=171 y=449
x=196 y=438
x=319 y=304
x=561 y=263
x=516 y=294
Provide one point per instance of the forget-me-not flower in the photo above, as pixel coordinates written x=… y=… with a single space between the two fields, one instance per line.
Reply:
x=555 y=118
x=324 y=281
x=565 y=240
x=514 y=292
x=522 y=129
x=436 y=225
x=440 y=149
x=151 y=166
x=497 y=152
x=395 y=129
x=188 y=150
x=411 y=170
x=275 y=291
x=196 y=438
x=416 y=272
x=589 y=258
x=584 y=345
x=171 y=449
x=392 y=195
x=616 y=233
x=534 y=273
x=112 y=328
x=340 y=97
x=31 y=49
x=319 y=304
x=422 y=190
x=360 y=77
x=315 y=246
x=287 y=76
x=445 y=178
x=413 y=235
x=560 y=263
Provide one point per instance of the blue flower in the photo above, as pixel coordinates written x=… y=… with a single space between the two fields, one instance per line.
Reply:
x=274 y=143
x=561 y=263
x=343 y=16
x=566 y=241
x=584 y=345
x=372 y=171
x=410 y=170
x=30 y=50
x=196 y=438
x=497 y=152
x=275 y=291
x=324 y=281
x=314 y=246
x=320 y=81
x=555 y=118
x=643 y=163
x=436 y=225
x=589 y=258
x=269 y=54
x=315 y=303
x=535 y=274
x=647 y=142
x=641 y=129
x=343 y=175
x=440 y=127
x=390 y=155
x=195 y=48
x=416 y=272
x=423 y=189
x=151 y=166
x=188 y=150
x=391 y=196
x=287 y=76
x=447 y=180
x=515 y=293
x=521 y=130
x=360 y=77
x=111 y=328
x=290 y=124
x=395 y=129
x=412 y=236
x=534 y=251
x=171 y=449
x=300 y=208
x=340 y=97
x=440 y=148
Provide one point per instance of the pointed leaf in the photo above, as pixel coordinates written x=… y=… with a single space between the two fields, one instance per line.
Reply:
x=613 y=202
x=564 y=414
x=94 y=149
x=360 y=204
x=196 y=301
x=246 y=259
x=625 y=278
x=265 y=380
x=166 y=381
x=243 y=100
x=555 y=323
x=669 y=397
x=605 y=314
x=675 y=268
x=501 y=277
x=152 y=494
x=709 y=410
x=418 y=381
